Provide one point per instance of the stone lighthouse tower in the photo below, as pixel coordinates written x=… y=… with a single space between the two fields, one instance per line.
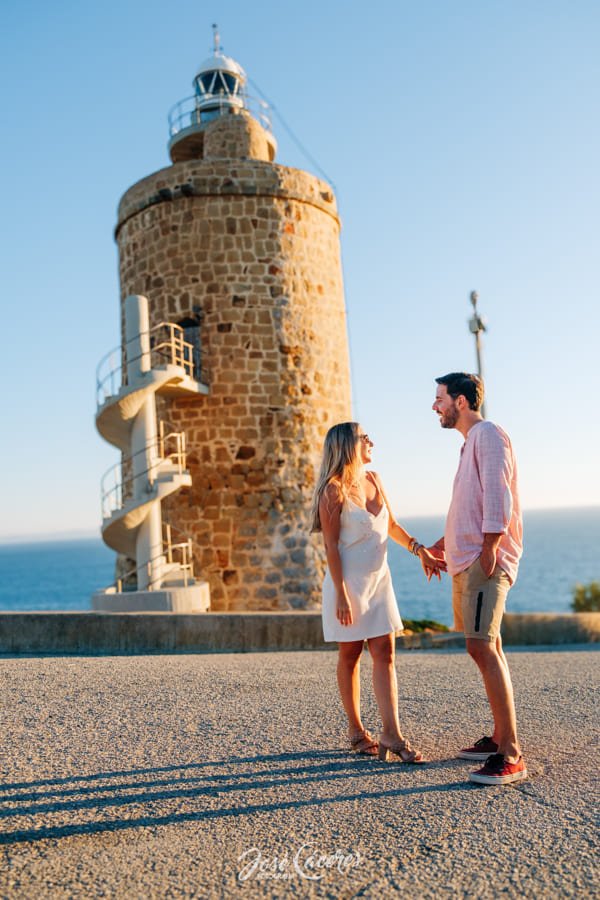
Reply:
x=243 y=255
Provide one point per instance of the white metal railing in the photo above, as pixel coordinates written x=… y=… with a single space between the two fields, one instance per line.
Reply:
x=167 y=347
x=180 y=553
x=112 y=495
x=188 y=112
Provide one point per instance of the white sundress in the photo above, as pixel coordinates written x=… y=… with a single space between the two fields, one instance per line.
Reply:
x=363 y=551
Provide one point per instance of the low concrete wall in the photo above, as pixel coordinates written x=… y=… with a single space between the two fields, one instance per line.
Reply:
x=105 y=633
x=98 y=633
x=551 y=628
x=158 y=632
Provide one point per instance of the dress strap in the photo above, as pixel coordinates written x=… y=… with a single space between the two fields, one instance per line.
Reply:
x=373 y=480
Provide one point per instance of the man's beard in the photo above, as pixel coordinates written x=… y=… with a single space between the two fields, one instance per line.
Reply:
x=449 y=418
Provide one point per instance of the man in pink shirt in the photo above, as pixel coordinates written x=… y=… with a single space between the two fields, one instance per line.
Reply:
x=482 y=545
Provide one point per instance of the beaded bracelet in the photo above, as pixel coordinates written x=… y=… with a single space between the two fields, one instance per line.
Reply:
x=414 y=546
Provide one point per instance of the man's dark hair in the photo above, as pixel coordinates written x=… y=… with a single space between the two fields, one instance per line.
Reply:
x=470 y=386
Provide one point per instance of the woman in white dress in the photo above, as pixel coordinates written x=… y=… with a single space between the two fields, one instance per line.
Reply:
x=351 y=509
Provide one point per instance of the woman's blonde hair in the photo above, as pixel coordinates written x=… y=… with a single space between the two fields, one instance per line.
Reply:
x=340 y=465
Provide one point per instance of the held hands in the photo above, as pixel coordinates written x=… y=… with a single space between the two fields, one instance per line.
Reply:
x=432 y=563
x=343 y=610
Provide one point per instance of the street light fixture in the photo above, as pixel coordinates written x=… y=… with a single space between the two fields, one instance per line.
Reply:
x=476 y=326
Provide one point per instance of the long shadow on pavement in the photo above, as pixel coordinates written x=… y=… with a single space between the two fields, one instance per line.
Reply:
x=200 y=783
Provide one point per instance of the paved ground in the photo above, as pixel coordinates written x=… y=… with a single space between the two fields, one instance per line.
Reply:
x=156 y=777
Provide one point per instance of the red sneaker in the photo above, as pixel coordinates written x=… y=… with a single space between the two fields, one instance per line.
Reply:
x=481 y=749
x=498 y=771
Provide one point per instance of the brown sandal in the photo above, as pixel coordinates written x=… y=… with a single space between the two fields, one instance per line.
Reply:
x=401 y=749
x=364 y=744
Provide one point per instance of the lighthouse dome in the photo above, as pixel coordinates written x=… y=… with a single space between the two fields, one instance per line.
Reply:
x=219 y=84
x=219 y=62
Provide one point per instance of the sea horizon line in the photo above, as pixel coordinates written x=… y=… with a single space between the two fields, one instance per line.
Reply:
x=87 y=534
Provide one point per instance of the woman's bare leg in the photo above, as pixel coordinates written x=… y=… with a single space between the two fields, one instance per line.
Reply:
x=385 y=685
x=348 y=676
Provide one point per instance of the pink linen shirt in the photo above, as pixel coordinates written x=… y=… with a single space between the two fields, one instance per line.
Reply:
x=485 y=500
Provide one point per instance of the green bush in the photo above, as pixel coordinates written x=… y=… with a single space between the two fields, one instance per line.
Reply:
x=419 y=625
x=586 y=597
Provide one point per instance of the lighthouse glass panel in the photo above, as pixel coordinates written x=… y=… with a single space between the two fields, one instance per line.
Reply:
x=221 y=86
x=231 y=82
x=205 y=82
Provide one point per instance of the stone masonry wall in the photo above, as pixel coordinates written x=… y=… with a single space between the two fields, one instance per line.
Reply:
x=255 y=246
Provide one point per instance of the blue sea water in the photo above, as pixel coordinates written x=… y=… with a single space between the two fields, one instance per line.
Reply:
x=54 y=574
x=562 y=547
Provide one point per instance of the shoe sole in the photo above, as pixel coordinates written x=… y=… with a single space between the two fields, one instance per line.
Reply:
x=464 y=754
x=498 y=779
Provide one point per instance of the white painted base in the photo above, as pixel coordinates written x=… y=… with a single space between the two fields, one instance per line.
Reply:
x=190 y=599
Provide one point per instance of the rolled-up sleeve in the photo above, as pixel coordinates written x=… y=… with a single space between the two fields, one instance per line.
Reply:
x=495 y=464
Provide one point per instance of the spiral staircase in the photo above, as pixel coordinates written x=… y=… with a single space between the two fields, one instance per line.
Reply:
x=153 y=466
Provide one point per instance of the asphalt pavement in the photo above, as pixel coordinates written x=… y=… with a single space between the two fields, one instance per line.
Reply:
x=228 y=776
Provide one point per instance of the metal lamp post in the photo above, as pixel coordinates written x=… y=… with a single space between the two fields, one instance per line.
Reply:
x=476 y=326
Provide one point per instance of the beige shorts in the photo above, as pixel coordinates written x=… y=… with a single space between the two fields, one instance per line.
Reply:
x=478 y=601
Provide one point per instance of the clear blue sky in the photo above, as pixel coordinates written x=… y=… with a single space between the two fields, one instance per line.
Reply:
x=463 y=142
